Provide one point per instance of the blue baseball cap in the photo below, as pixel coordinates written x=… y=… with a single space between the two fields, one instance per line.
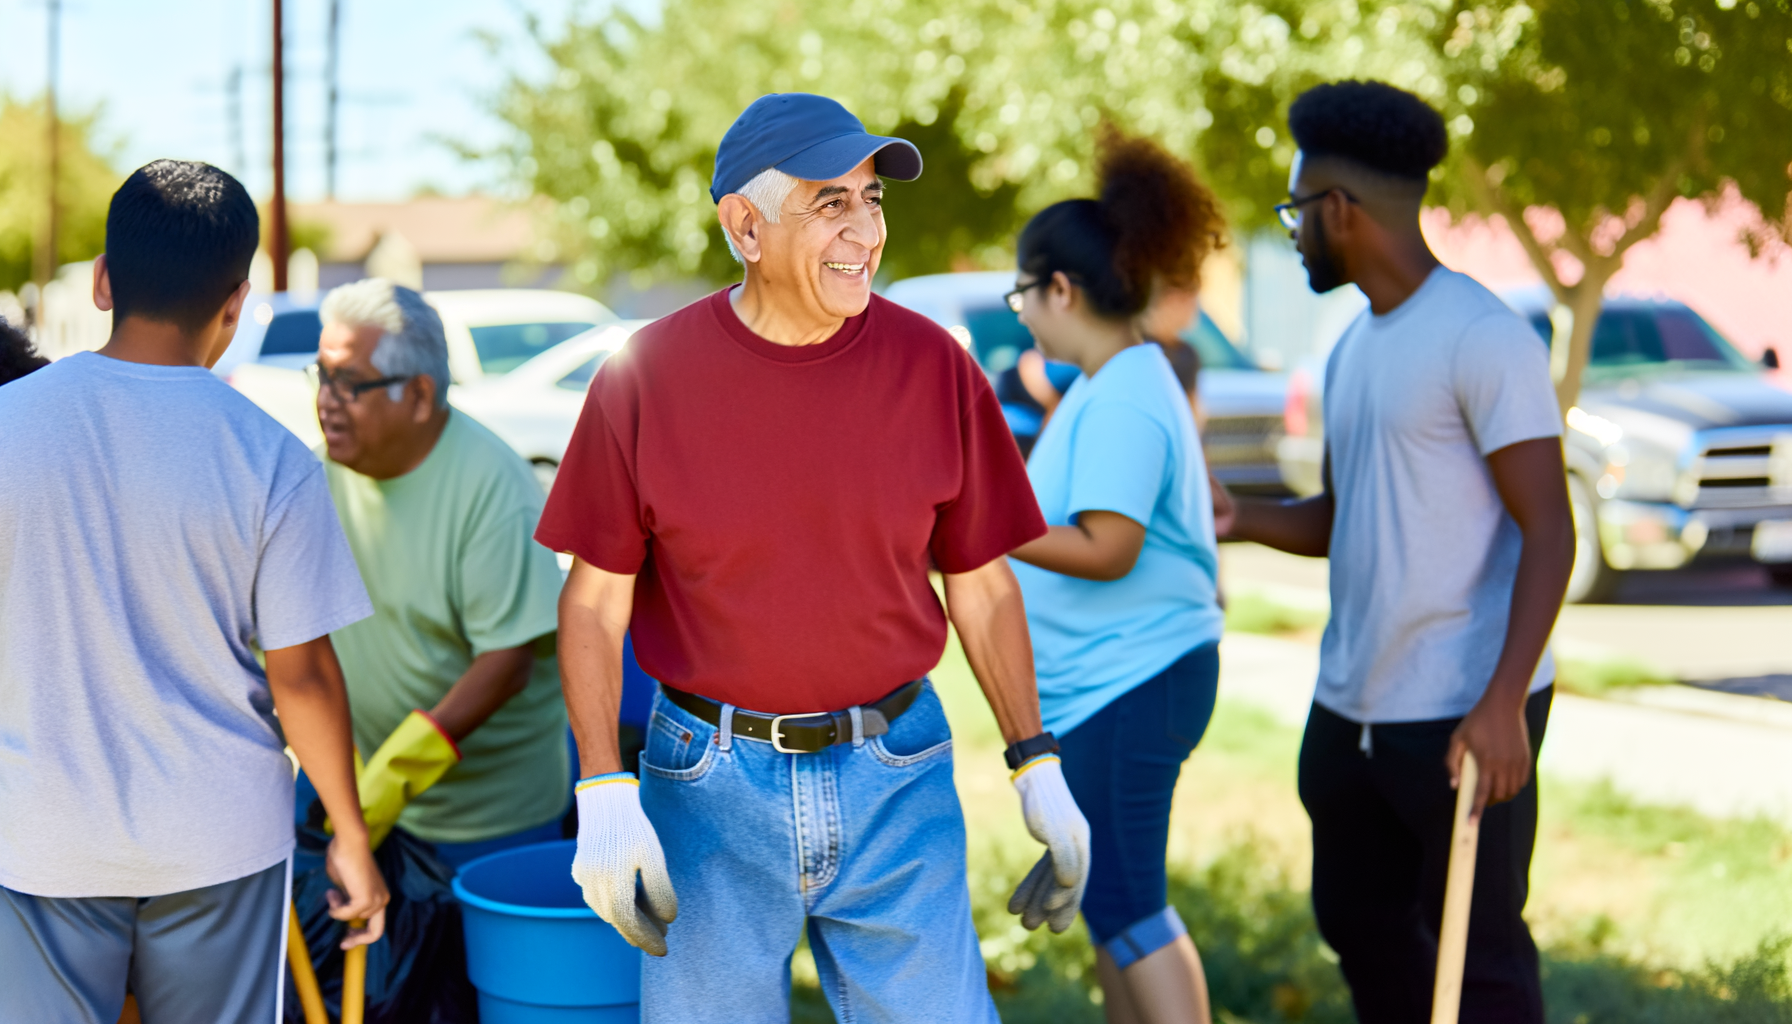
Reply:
x=805 y=136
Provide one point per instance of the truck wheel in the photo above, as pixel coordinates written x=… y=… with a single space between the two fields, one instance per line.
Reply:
x=1592 y=581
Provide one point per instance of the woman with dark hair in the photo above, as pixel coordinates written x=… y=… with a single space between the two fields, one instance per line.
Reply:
x=1120 y=593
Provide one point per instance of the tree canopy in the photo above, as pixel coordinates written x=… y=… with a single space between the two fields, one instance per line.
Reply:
x=1581 y=121
x=1003 y=97
x=86 y=183
x=1578 y=121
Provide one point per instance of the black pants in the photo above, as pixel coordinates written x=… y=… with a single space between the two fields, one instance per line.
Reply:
x=1381 y=849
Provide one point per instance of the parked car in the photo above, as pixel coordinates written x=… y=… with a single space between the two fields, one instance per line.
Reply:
x=490 y=332
x=1243 y=403
x=535 y=406
x=1680 y=448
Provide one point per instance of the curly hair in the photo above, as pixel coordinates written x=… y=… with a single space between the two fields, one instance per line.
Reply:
x=1153 y=220
x=17 y=356
x=1372 y=124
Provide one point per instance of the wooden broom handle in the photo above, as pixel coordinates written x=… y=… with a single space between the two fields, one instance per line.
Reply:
x=1459 y=891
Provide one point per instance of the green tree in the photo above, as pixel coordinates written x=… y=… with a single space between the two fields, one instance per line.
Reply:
x=622 y=136
x=1580 y=122
x=86 y=181
x=1002 y=96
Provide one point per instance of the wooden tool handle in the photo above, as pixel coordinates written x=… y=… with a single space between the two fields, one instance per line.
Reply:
x=304 y=978
x=1459 y=889
x=354 y=980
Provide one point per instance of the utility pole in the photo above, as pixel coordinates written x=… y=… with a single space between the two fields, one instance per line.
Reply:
x=277 y=240
x=47 y=259
x=234 y=111
x=330 y=129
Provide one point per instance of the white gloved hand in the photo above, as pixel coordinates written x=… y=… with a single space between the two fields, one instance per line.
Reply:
x=1053 y=890
x=615 y=842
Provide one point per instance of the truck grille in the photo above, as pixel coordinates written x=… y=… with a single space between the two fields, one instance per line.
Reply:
x=1743 y=467
x=1230 y=440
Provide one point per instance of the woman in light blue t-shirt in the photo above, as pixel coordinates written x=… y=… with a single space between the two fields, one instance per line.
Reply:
x=1121 y=592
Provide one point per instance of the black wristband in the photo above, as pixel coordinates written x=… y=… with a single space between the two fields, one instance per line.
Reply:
x=1020 y=753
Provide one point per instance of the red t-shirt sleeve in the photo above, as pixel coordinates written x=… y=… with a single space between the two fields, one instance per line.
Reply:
x=594 y=510
x=994 y=511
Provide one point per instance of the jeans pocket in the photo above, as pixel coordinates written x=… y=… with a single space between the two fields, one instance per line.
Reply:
x=919 y=734
x=676 y=750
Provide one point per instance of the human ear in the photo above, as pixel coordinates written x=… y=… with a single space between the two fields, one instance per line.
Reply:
x=1061 y=293
x=102 y=283
x=423 y=399
x=741 y=222
x=233 y=307
x=1340 y=215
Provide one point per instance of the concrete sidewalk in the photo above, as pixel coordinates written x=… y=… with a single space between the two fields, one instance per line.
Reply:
x=1724 y=756
x=1705 y=625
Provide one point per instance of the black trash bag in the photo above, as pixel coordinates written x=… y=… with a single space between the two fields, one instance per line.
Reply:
x=417 y=971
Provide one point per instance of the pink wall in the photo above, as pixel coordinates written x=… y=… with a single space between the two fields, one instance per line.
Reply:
x=1695 y=258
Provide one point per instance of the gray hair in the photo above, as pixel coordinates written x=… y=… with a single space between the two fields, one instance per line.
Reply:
x=413 y=343
x=767 y=192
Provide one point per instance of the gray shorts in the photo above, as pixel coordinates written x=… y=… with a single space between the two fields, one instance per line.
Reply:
x=211 y=954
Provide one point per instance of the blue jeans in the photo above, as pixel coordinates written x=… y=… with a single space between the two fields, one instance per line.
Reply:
x=1122 y=765
x=863 y=844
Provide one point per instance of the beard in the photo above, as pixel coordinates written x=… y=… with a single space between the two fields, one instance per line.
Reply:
x=1322 y=270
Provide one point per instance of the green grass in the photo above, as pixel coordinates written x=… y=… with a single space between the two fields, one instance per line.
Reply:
x=1277 y=611
x=1645 y=914
x=1596 y=672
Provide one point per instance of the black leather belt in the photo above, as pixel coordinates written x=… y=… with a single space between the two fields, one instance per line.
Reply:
x=802 y=734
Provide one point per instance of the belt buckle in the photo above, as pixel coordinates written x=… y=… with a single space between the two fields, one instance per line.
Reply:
x=778 y=720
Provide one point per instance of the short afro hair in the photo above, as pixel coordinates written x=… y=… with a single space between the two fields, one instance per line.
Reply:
x=1372 y=124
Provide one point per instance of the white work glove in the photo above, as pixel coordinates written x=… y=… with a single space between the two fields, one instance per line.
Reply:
x=615 y=841
x=1053 y=890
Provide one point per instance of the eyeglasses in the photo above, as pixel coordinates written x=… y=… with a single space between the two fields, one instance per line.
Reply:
x=346 y=391
x=1289 y=212
x=1017 y=298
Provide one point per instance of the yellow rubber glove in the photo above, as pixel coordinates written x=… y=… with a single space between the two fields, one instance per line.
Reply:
x=410 y=761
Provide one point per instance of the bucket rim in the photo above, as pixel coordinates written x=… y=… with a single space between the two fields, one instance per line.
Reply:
x=473 y=899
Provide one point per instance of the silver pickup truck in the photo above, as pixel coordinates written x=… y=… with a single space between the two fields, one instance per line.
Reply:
x=1680 y=448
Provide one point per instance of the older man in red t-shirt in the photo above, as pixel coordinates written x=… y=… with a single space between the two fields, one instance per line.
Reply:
x=758 y=487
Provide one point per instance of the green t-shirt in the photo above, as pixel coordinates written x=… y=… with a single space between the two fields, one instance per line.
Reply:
x=448 y=556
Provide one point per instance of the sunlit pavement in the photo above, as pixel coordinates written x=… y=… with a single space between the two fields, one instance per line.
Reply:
x=1723 y=755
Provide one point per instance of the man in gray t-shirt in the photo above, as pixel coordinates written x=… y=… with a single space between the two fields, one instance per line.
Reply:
x=1445 y=514
x=156 y=532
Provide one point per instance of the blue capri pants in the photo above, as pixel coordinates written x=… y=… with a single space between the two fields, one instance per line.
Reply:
x=1122 y=765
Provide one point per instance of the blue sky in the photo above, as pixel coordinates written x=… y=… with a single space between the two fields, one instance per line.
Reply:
x=411 y=70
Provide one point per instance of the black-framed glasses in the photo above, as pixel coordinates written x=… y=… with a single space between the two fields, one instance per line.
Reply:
x=1017 y=297
x=346 y=391
x=1289 y=212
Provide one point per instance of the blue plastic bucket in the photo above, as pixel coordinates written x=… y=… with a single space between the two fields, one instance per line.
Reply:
x=535 y=951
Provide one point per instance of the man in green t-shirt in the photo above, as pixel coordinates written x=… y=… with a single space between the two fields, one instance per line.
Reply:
x=453 y=684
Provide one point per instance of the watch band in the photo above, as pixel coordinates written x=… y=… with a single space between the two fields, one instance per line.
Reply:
x=1018 y=753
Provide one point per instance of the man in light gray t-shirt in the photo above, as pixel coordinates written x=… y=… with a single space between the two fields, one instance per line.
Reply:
x=1423 y=551
x=157 y=531
x=1445 y=515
